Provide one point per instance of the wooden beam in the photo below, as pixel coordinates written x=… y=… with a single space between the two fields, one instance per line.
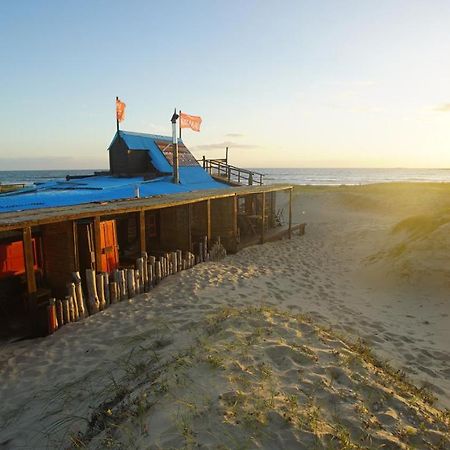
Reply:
x=98 y=244
x=189 y=226
x=76 y=254
x=235 y=218
x=34 y=217
x=263 y=217
x=29 y=267
x=208 y=220
x=290 y=214
x=142 y=240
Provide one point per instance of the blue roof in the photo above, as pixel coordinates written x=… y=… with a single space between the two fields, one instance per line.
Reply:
x=108 y=188
x=104 y=189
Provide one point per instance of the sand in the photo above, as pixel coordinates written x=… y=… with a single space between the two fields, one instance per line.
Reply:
x=294 y=344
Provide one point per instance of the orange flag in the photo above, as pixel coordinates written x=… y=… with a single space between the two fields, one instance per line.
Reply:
x=192 y=122
x=120 y=110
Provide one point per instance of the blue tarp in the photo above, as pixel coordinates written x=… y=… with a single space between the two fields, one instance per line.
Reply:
x=103 y=189
x=108 y=188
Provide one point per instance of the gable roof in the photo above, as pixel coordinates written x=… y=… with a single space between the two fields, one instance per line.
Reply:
x=159 y=149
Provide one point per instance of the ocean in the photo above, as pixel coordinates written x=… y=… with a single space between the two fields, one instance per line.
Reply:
x=292 y=176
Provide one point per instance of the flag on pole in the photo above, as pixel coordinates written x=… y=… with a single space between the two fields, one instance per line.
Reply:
x=120 y=110
x=192 y=122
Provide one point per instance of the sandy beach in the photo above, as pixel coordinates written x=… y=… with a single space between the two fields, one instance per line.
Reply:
x=304 y=343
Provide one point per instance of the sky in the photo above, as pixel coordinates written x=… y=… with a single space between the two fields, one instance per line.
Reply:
x=342 y=83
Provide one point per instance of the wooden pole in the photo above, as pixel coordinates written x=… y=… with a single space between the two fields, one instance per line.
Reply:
x=263 y=217
x=98 y=244
x=117 y=119
x=93 y=302
x=101 y=291
x=29 y=265
x=113 y=292
x=290 y=214
x=142 y=243
x=76 y=256
x=189 y=225
x=208 y=219
x=235 y=221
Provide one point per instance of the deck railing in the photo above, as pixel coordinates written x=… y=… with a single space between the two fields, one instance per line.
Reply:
x=232 y=174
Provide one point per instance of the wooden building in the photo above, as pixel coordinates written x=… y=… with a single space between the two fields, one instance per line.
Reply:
x=109 y=228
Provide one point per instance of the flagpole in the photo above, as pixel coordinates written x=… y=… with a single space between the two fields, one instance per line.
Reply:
x=176 y=178
x=179 y=121
x=117 y=119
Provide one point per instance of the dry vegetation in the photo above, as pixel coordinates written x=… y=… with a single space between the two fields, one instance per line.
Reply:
x=261 y=378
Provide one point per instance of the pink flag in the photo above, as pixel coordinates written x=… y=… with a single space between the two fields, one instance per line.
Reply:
x=120 y=110
x=192 y=122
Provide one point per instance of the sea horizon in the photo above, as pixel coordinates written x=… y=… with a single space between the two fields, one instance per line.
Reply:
x=302 y=175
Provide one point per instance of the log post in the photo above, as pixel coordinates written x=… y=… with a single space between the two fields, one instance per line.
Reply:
x=82 y=309
x=71 y=291
x=106 y=288
x=140 y=270
x=131 y=283
x=60 y=312
x=113 y=292
x=157 y=272
x=93 y=302
x=123 y=285
x=66 y=310
x=100 y=291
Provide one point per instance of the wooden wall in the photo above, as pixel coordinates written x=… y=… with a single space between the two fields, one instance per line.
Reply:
x=124 y=161
x=59 y=255
x=174 y=228
x=223 y=223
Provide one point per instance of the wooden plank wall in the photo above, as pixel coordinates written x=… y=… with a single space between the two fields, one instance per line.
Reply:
x=174 y=228
x=223 y=222
x=59 y=255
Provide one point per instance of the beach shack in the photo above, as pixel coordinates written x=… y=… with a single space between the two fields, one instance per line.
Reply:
x=98 y=239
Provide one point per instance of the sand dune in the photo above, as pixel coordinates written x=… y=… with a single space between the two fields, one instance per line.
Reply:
x=261 y=349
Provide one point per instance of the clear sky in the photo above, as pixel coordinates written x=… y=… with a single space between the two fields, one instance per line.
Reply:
x=314 y=83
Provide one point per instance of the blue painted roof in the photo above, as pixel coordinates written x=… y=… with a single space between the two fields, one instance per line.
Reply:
x=109 y=188
x=103 y=189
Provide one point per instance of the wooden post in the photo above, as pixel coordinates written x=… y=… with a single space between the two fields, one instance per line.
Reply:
x=98 y=244
x=263 y=217
x=113 y=292
x=76 y=256
x=204 y=162
x=290 y=214
x=131 y=283
x=100 y=291
x=235 y=220
x=189 y=225
x=29 y=268
x=60 y=312
x=208 y=219
x=93 y=302
x=66 y=310
x=106 y=288
x=142 y=243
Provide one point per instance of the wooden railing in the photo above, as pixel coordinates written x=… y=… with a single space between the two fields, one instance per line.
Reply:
x=220 y=168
